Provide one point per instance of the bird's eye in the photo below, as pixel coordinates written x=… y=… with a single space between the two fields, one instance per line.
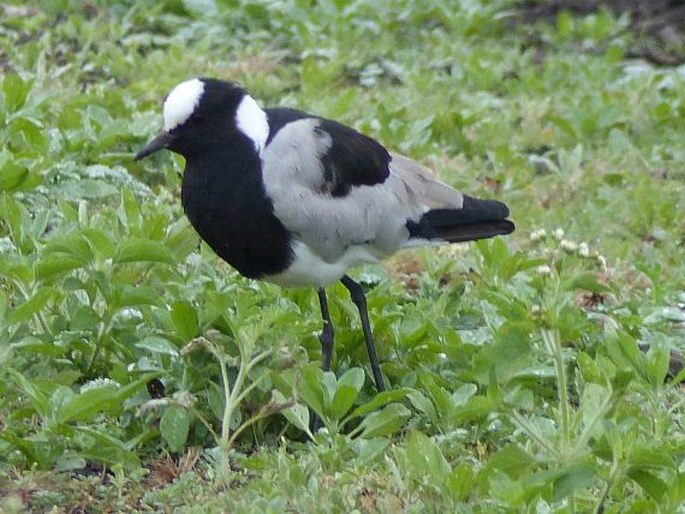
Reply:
x=196 y=119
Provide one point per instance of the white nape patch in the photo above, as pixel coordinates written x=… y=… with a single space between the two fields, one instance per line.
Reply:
x=251 y=121
x=310 y=270
x=181 y=103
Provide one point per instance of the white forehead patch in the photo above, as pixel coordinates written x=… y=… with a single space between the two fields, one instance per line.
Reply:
x=251 y=121
x=181 y=103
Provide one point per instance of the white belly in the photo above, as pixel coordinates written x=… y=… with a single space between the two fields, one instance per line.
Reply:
x=309 y=270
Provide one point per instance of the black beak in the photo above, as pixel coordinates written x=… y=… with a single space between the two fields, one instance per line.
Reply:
x=160 y=142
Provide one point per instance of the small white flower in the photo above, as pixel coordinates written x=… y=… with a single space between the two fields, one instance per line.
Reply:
x=193 y=259
x=544 y=270
x=558 y=234
x=99 y=383
x=535 y=310
x=130 y=313
x=6 y=245
x=602 y=262
x=537 y=235
x=583 y=250
x=568 y=246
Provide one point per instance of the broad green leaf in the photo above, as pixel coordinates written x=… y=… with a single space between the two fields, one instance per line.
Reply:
x=11 y=212
x=477 y=407
x=590 y=282
x=74 y=245
x=353 y=377
x=38 y=399
x=624 y=351
x=564 y=124
x=69 y=462
x=185 y=320
x=60 y=398
x=100 y=240
x=533 y=484
x=3 y=307
x=438 y=395
x=589 y=368
x=132 y=210
x=676 y=491
x=461 y=481
x=27 y=131
x=107 y=448
x=84 y=318
x=580 y=476
x=512 y=460
x=51 y=266
x=156 y=344
x=378 y=401
x=658 y=359
x=174 y=427
x=463 y=394
x=423 y=404
x=15 y=91
x=215 y=399
x=424 y=457
x=311 y=389
x=202 y=8
x=329 y=386
x=384 y=422
x=349 y=386
x=32 y=451
x=12 y=176
x=345 y=396
x=142 y=250
x=652 y=484
x=31 y=306
x=592 y=407
x=509 y=353
x=369 y=450
x=679 y=378
x=83 y=406
x=297 y=415
x=86 y=188
x=653 y=457
x=129 y=296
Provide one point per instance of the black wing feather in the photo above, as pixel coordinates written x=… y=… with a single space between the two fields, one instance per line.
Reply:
x=477 y=219
x=352 y=160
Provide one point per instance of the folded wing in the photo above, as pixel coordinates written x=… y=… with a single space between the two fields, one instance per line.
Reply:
x=336 y=189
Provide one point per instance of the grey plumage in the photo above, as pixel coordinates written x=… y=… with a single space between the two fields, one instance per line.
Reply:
x=371 y=216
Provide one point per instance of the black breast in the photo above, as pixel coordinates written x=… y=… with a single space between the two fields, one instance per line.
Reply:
x=224 y=199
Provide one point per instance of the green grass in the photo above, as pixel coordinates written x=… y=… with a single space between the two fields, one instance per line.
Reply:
x=517 y=382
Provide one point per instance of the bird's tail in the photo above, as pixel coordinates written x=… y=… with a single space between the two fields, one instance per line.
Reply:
x=476 y=219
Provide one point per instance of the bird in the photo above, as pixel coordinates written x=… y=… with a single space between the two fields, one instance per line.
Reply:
x=297 y=200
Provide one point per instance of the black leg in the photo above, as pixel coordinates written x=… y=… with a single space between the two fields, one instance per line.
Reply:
x=326 y=339
x=326 y=336
x=359 y=300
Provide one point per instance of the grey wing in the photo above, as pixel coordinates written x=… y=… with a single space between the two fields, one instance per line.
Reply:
x=374 y=216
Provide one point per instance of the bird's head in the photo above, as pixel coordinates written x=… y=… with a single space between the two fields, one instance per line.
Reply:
x=202 y=114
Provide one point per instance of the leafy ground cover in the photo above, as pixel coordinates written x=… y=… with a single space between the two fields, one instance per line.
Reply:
x=536 y=373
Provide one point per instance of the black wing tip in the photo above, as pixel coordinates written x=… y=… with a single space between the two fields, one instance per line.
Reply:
x=476 y=219
x=506 y=227
x=486 y=209
x=461 y=233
